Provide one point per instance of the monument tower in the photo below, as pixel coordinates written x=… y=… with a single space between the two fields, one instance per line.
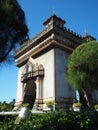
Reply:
x=42 y=64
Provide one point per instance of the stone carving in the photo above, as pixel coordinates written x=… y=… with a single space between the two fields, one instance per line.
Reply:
x=32 y=71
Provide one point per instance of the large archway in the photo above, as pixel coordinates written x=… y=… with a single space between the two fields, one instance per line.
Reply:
x=32 y=78
x=29 y=93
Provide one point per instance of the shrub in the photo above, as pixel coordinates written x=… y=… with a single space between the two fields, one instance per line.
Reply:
x=58 y=120
x=77 y=104
x=50 y=103
x=96 y=106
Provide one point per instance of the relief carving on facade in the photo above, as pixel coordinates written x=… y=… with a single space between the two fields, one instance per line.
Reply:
x=30 y=75
x=31 y=71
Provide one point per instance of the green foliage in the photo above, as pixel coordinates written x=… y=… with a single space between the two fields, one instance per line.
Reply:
x=77 y=104
x=96 y=106
x=13 y=28
x=24 y=105
x=50 y=103
x=83 y=66
x=4 y=106
x=53 y=121
x=82 y=71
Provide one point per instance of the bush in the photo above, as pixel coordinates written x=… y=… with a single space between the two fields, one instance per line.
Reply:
x=86 y=120
x=77 y=104
x=96 y=106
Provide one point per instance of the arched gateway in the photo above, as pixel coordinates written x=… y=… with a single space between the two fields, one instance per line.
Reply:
x=31 y=77
x=42 y=64
x=29 y=94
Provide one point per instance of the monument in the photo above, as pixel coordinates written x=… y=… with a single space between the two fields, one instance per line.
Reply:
x=42 y=65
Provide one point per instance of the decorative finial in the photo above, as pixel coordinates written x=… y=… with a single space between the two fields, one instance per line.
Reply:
x=53 y=11
x=85 y=32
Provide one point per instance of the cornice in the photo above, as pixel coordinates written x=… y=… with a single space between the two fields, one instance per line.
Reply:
x=43 y=35
x=42 y=48
x=33 y=42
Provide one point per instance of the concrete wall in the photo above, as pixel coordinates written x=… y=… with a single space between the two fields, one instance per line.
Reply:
x=54 y=83
x=47 y=60
x=19 y=93
x=63 y=89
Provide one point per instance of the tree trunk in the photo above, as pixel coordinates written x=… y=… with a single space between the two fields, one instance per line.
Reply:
x=87 y=98
x=83 y=100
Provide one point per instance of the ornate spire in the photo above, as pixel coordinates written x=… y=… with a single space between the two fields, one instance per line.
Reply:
x=53 y=12
x=85 y=32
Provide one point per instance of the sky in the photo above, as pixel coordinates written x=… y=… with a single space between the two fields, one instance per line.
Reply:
x=80 y=15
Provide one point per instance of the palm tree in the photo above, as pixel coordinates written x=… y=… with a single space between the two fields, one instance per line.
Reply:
x=13 y=28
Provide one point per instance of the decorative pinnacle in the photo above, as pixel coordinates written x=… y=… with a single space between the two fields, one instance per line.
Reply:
x=53 y=12
x=85 y=32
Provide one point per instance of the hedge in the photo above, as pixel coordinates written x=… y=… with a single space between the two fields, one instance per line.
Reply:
x=87 y=120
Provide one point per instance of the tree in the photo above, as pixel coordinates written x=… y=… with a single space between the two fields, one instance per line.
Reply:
x=82 y=71
x=13 y=28
x=4 y=106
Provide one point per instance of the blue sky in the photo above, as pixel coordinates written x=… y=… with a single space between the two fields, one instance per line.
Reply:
x=80 y=15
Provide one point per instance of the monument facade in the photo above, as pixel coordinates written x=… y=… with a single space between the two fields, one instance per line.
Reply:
x=42 y=65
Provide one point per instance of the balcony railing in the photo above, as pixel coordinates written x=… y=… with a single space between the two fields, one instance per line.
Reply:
x=27 y=76
x=32 y=75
